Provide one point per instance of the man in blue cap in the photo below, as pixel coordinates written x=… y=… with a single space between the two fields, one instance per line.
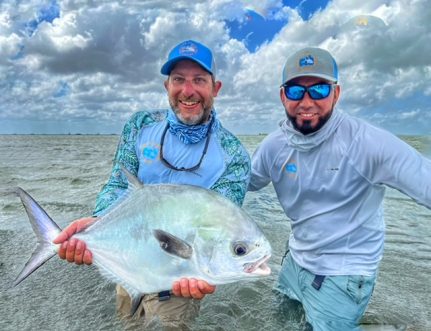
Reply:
x=186 y=144
x=329 y=171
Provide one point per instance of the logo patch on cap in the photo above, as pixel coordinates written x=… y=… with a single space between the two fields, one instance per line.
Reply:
x=188 y=49
x=306 y=61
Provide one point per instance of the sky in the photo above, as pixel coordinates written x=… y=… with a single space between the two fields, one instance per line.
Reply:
x=79 y=66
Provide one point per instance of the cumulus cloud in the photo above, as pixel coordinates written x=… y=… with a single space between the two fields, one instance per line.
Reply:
x=101 y=60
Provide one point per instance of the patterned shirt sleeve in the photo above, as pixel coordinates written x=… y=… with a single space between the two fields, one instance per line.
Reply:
x=125 y=156
x=234 y=181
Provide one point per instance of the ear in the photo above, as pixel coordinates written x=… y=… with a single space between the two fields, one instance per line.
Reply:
x=173 y=245
x=283 y=97
x=217 y=87
x=337 y=93
x=166 y=83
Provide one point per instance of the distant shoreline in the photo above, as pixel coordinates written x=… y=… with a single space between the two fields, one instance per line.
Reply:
x=118 y=134
x=97 y=134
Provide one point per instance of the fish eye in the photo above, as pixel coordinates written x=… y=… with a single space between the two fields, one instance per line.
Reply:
x=240 y=249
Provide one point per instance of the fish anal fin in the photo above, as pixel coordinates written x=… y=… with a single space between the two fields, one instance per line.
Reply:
x=172 y=244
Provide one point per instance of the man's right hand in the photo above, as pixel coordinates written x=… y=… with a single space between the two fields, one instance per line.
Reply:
x=71 y=249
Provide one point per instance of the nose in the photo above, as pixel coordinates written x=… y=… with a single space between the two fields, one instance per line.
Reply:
x=188 y=89
x=306 y=101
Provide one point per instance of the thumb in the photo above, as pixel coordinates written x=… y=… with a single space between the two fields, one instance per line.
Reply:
x=74 y=227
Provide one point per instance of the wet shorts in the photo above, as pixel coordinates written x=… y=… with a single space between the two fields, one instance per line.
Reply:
x=331 y=302
x=176 y=313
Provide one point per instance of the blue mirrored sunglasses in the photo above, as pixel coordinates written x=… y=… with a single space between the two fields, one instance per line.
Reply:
x=316 y=92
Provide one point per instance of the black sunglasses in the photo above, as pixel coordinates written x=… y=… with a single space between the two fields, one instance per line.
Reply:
x=170 y=166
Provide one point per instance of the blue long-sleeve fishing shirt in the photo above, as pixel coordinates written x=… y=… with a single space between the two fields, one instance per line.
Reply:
x=225 y=168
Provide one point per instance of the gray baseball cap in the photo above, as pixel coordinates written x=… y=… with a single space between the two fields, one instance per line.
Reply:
x=311 y=61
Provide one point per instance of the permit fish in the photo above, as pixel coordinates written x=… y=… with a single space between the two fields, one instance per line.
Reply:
x=156 y=234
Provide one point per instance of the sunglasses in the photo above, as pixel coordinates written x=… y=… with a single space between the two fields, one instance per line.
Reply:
x=316 y=92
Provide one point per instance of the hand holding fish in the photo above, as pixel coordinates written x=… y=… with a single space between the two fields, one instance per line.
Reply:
x=75 y=250
x=192 y=288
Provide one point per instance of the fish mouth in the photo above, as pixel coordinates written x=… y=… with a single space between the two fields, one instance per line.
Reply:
x=258 y=268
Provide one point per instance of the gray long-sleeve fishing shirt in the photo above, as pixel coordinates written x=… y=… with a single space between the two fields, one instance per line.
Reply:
x=331 y=185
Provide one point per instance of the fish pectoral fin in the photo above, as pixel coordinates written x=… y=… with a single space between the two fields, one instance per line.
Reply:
x=173 y=245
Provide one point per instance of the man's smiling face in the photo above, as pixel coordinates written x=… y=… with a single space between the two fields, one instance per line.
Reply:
x=308 y=115
x=191 y=91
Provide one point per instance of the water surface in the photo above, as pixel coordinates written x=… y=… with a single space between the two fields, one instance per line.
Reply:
x=65 y=173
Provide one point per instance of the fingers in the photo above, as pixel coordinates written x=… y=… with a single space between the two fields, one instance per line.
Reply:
x=206 y=288
x=88 y=257
x=176 y=289
x=66 y=233
x=76 y=251
x=71 y=249
x=74 y=227
x=62 y=250
x=192 y=288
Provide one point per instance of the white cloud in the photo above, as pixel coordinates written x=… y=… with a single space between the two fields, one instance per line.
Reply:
x=109 y=54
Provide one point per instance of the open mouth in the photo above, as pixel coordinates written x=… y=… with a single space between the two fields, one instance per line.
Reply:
x=259 y=267
x=189 y=103
x=307 y=116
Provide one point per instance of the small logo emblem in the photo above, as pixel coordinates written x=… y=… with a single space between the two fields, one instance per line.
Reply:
x=188 y=49
x=150 y=153
x=306 y=61
x=291 y=167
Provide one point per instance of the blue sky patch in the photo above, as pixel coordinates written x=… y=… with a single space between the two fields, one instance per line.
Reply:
x=256 y=28
x=47 y=13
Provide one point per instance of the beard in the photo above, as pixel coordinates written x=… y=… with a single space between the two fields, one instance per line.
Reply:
x=195 y=119
x=306 y=127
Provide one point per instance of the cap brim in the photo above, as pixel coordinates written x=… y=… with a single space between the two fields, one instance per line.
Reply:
x=168 y=66
x=310 y=74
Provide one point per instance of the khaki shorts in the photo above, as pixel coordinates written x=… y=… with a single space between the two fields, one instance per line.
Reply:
x=176 y=312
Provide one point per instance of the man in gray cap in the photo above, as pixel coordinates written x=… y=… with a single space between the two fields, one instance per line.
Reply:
x=329 y=171
x=187 y=145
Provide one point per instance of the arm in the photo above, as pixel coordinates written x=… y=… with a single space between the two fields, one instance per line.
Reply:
x=234 y=181
x=394 y=163
x=125 y=156
x=260 y=175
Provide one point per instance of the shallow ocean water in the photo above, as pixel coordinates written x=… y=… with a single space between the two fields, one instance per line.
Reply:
x=65 y=173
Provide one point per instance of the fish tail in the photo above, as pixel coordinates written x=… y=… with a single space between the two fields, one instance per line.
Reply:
x=44 y=228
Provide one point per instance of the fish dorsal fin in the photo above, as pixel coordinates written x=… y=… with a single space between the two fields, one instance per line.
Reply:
x=173 y=245
x=133 y=181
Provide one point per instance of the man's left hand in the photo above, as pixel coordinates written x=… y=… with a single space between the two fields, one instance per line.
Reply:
x=192 y=288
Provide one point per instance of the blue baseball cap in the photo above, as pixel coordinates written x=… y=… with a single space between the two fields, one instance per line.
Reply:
x=190 y=50
x=311 y=61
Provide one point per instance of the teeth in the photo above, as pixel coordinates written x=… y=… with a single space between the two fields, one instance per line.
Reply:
x=189 y=103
